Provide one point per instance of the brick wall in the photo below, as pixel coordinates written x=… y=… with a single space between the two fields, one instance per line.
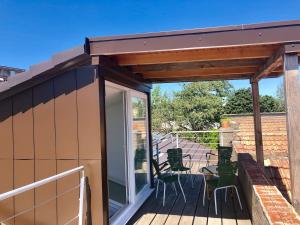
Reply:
x=265 y=202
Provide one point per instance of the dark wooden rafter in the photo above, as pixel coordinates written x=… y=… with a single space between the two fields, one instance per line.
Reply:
x=201 y=72
x=270 y=65
x=114 y=72
x=257 y=123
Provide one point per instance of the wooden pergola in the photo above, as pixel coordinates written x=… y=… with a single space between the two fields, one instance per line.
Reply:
x=249 y=52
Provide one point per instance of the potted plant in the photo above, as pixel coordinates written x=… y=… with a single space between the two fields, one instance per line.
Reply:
x=225 y=122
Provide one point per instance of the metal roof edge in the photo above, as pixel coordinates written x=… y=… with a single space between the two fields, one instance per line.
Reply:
x=60 y=59
x=196 y=31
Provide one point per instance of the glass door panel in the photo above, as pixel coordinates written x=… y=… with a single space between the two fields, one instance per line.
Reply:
x=116 y=137
x=139 y=142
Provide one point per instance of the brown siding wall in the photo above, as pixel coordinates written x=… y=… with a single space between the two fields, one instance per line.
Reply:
x=44 y=130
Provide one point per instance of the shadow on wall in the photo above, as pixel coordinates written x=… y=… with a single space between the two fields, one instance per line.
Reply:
x=62 y=84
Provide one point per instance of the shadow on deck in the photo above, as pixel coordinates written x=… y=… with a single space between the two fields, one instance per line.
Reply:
x=176 y=211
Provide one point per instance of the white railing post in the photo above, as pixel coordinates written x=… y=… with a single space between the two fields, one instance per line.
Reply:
x=81 y=199
x=177 y=140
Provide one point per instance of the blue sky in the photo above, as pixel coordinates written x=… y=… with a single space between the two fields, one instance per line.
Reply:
x=31 y=31
x=266 y=86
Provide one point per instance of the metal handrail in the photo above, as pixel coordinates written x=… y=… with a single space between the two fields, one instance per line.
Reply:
x=47 y=180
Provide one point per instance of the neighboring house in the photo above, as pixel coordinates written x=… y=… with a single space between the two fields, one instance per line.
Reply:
x=6 y=72
x=275 y=146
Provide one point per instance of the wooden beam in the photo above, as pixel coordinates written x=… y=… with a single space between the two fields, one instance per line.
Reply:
x=113 y=72
x=243 y=35
x=257 y=123
x=200 y=78
x=292 y=97
x=270 y=65
x=200 y=72
x=246 y=52
x=196 y=65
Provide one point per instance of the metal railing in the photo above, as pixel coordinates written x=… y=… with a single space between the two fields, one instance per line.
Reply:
x=31 y=186
x=207 y=139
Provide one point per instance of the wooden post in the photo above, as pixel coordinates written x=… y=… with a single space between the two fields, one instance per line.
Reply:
x=292 y=99
x=257 y=123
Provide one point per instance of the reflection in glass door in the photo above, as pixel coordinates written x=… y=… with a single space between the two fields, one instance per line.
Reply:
x=139 y=141
x=116 y=138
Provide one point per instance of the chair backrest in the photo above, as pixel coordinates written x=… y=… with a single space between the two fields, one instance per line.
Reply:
x=156 y=167
x=224 y=154
x=226 y=172
x=175 y=157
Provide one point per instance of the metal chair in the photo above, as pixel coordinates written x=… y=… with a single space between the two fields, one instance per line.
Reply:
x=226 y=179
x=166 y=178
x=175 y=159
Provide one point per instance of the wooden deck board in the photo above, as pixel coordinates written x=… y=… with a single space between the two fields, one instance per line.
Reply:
x=242 y=216
x=228 y=212
x=214 y=219
x=163 y=213
x=188 y=213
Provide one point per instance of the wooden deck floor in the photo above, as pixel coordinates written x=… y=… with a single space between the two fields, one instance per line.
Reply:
x=176 y=211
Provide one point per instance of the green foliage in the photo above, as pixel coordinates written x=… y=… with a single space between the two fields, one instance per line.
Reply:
x=199 y=105
x=269 y=104
x=162 y=111
x=280 y=97
x=241 y=102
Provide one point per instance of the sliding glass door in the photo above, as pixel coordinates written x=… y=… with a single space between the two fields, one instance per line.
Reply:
x=127 y=149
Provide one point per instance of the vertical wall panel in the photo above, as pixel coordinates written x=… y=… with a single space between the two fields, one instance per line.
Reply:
x=46 y=214
x=23 y=125
x=6 y=184
x=24 y=174
x=88 y=113
x=93 y=172
x=6 y=151
x=66 y=116
x=43 y=111
x=67 y=204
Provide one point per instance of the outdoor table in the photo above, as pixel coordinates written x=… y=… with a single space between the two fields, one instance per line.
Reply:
x=210 y=170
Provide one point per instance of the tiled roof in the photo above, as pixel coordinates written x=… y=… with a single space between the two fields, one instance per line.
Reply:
x=275 y=147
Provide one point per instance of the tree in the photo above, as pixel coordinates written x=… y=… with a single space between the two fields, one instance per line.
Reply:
x=199 y=105
x=268 y=104
x=280 y=97
x=162 y=111
x=241 y=102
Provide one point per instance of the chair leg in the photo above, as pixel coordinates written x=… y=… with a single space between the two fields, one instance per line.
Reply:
x=204 y=191
x=225 y=194
x=215 y=197
x=191 y=177
x=238 y=196
x=173 y=184
x=181 y=188
x=164 y=198
x=157 y=186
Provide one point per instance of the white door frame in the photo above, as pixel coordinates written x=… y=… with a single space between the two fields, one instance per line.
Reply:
x=134 y=200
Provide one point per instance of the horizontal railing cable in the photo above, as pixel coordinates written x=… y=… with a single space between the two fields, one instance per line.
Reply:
x=40 y=204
